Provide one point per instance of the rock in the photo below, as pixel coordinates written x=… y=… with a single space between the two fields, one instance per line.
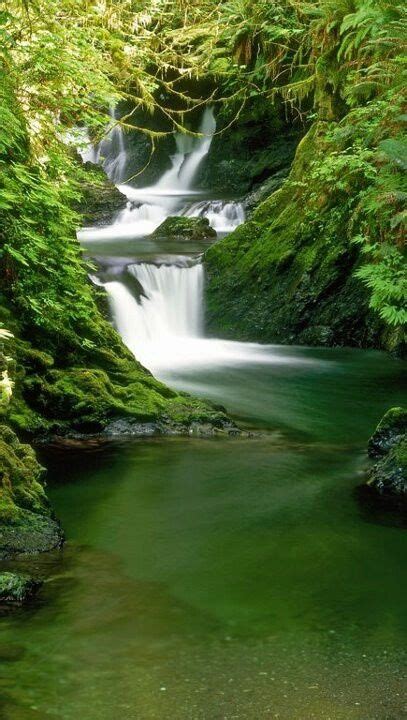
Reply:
x=26 y=522
x=389 y=475
x=101 y=198
x=17 y=589
x=390 y=430
x=389 y=443
x=262 y=192
x=185 y=228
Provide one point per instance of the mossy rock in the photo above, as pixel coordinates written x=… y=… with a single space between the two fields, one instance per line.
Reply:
x=101 y=199
x=288 y=274
x=389 y=475
x=17 y=589
x=26 y=522
x=185 y=228
x=390 y=430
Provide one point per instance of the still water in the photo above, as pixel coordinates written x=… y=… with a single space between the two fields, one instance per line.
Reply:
x=224 y=579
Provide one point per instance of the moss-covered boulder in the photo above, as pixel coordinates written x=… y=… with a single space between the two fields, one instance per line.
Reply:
x=388 y=477
x=390 y=430
x=26 y=521
x=185 y=228
x=16 y=589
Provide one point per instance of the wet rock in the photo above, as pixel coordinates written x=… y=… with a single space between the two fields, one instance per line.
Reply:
x=185 y=228
x=26 y=522
x=123 y=427
x=16 y=589
x=389 y=475
x=262 y=192
x=390 y=430
x=389 y=444
x=101 y=198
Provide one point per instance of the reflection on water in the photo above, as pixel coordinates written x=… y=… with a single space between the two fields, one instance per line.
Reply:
x=224 y=579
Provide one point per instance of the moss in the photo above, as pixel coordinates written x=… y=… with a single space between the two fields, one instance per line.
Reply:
x=287 y=275
x=390 y=429
x=100 y=198
x=185 y=228
x=389 y=475
x=17 y=589
x=26 y=522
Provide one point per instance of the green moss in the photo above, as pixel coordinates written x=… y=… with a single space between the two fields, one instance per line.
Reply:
x=26 y=523
x=17 y=589
x=390 y=429
x=287 y=275
x=185 y=228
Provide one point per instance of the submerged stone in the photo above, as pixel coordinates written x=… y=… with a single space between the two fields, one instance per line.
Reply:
x=185 y=228
x=17 y=589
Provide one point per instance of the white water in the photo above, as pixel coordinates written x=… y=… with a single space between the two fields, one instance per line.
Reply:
x=148 y=207
x=112 y=151
x=164 y=326
x=223 y=217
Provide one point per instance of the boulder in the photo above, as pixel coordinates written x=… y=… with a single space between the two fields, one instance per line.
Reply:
x=390 y=430
x=185 y=228
x=389 y=444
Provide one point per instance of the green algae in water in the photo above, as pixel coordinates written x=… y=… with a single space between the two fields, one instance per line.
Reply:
x=225 y=579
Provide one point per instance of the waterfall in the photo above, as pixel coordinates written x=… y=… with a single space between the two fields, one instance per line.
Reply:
x=114 y=151
x=185 y=162
x=223 y=216
x=160 y=314
x=163 y=328
x=168 y=311
x=191 y=164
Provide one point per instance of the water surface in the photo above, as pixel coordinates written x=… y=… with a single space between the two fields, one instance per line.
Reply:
x=213 y=579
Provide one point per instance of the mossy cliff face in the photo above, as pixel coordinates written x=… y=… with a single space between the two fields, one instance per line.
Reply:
x=26 y=522
x=100 y=199
x=257 y=143
x=287 y=275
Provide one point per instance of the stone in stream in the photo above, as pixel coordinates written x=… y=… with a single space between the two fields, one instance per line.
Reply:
x=16 y=589
x=389 y=445
x=185 y=228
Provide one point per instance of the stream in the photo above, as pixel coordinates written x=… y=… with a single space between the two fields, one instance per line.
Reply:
x=215 y=579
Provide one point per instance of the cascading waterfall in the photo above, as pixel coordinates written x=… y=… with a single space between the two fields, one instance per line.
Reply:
x=223 y=216
x=163 y=324
x=168 y=313
x=114 y=151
